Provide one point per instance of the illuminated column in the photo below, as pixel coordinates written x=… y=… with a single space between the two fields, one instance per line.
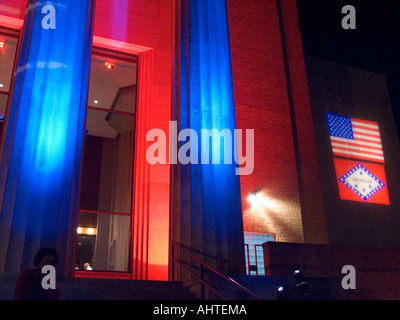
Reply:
x=41 y=159
x=206 y=197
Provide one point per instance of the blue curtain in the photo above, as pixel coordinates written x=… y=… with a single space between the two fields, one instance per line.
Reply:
x=41 y=158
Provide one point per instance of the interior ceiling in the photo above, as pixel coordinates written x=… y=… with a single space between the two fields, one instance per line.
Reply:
x=104 y=83
x=104 y=87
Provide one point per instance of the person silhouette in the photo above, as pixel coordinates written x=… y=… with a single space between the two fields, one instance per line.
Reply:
x=29 y=283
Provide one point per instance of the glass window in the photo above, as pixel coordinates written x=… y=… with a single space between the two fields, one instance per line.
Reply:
x=254 y=252
x=8 y=50
x=103 y=241
x=104 y=221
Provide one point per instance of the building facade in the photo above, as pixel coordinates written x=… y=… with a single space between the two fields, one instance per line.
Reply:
x=99 y=102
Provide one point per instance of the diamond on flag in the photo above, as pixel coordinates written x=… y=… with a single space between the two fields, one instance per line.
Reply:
x=362 y=182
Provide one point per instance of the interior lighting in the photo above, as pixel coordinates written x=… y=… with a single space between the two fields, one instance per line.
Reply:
x=110 y=65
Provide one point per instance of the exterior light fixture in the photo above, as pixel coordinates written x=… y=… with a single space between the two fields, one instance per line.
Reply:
x=96 y=101
x=256 y=199
x=298 y=275
x=3 y=44
x=302 y=286
x=254 y=194
x=282 y=294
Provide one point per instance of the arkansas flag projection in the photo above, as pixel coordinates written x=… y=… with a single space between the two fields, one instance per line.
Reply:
x=358 y=179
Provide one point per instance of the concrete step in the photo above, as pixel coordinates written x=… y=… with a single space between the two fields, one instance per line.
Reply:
x=108 y=289
x=264 y=287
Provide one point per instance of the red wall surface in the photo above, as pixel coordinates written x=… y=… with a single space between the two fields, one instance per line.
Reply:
x=13 y=8
x=150 y=24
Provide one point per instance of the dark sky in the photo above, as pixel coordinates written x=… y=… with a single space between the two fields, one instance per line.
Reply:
x=373 y=46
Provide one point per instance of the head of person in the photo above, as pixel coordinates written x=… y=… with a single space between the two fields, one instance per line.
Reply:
x=45 y=256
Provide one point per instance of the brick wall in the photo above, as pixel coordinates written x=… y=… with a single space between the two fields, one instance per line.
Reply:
x=262 y=100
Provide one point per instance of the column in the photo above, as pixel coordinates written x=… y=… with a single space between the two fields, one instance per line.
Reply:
x=207 y=211
x=40 y=164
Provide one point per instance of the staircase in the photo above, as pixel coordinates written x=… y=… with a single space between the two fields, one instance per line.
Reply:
x=108 y=289
x=264 y=287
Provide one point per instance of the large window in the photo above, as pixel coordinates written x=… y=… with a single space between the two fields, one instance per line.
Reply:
x=104 y=221
x=8 y=50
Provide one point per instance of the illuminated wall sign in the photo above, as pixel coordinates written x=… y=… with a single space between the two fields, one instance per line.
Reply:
x=359 y=140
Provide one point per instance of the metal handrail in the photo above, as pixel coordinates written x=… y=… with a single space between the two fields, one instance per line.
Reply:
x=200 y=279
x=228 y=279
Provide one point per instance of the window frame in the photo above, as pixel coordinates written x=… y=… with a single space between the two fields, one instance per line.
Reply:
x=132 y=58
x=14 y=34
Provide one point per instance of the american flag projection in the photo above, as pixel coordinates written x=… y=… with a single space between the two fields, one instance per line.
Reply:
x=358 y=141
x=354 y=138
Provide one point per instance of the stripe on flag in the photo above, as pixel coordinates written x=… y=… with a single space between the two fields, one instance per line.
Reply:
x=355 y=138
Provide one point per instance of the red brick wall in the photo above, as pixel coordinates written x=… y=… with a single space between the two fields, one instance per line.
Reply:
x=261 y=102
x=314 y=218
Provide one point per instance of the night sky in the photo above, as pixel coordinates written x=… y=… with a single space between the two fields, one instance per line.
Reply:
x=373 y=46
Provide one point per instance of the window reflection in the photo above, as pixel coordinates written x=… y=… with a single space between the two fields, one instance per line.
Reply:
x=104 y=221
x=103 y=241
x=8 y=50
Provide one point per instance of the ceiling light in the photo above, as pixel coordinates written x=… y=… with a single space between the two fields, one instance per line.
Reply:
x=3 y=44
x=110 y=65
